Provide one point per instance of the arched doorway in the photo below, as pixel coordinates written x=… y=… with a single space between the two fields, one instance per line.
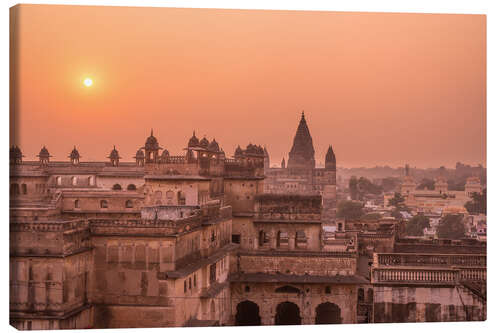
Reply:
x=328 y=313
x=247 y=314
x=287 y=313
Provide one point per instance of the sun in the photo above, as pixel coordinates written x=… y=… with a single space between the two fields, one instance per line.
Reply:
x=88 y=82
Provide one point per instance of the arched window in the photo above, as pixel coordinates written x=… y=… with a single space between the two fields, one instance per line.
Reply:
x=24 y=189
x=328 y=290
x=128 y=204
x=131 y=187
x=77 y=203
x=73 y=181
x=104 y=204
x=58 y=180
x=91 y=180
x=117 y=187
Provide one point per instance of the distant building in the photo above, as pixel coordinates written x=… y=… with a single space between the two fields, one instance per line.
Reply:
x=301 y=176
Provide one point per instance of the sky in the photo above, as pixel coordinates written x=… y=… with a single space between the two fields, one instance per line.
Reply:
x=381 y=88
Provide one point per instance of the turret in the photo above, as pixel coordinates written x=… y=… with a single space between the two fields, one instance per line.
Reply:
x=44 y=156
x=151 y=149
x=114 y=157
x=74 y=156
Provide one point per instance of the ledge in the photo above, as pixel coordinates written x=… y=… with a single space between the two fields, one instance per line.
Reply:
x=280 y=278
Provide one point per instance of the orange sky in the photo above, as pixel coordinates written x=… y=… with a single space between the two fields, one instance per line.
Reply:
x=383 y=89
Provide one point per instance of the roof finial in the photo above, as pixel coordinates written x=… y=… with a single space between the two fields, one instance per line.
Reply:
x=302 y=113
x=151 y=131
x=194 y=133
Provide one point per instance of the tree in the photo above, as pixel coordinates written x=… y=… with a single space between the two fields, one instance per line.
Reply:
x=478 y=203
x=451 y=227
x=353 y=188
x=397 y=201
x=416 y=225
x=350 y=210
x=365 y=186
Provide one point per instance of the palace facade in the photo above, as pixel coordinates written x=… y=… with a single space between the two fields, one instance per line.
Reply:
x=198 y=240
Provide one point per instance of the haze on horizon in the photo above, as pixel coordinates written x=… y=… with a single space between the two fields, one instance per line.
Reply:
x=382 y=88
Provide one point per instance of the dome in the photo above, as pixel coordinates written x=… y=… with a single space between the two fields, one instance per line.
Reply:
x=213 y=146
x=44 y=153
x=193 y=142
x=165 y=154
x=151 y=143
x=204 y=143
x=74 y=154
x=114 y=154
x=15 y=152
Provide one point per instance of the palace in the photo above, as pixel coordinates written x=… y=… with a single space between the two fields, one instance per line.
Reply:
x=201 y=239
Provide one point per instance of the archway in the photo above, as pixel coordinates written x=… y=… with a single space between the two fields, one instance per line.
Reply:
x=247 y=314
x=328 y=313
x=287 y=313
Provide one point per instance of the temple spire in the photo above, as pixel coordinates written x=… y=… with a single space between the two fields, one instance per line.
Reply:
x=302 y=153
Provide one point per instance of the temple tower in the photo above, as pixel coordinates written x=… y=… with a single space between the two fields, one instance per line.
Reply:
x=301 y=155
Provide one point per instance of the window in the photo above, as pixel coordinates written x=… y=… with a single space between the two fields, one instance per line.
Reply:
x=328 y=290
x=24 y=189
x=236 y=239
x=247 y=289
x=213 y=272
x=117 y=187
x=212 y=238
x=282 y=239
x=185 y=286
x=194 y=280
x=104 y=204
x=263 y=238
x=77 y=203
x=90 y=180
x=181 y=199
x=300 y=239
x=73 y=181
x=128 y=204
x=189 y=283
x=58 y=180
x=131 y=187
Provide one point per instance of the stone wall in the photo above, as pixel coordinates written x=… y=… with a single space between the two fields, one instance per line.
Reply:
x=426 y=304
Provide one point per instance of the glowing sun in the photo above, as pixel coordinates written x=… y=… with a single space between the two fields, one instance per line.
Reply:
x=88 y=82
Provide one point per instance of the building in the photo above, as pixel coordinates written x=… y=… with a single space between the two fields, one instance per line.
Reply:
x=440 y=198
x=195 y=240
x=300 y=174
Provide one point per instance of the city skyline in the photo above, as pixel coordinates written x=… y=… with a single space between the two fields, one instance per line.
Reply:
x=383 y=89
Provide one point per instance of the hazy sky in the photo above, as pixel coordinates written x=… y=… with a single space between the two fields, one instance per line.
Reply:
x=383 y=89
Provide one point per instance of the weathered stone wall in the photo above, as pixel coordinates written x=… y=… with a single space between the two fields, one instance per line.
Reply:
x=308 y=299
x=175 y=192
x=426 y=304
x=240 y=194
x=297 y=264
